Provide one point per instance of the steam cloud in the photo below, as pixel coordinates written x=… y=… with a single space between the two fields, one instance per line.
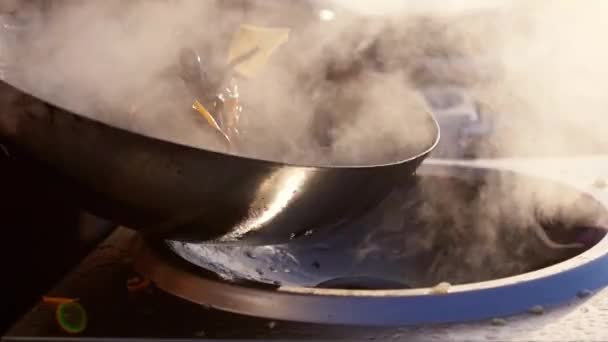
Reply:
x=113 y=60
x=116 y=61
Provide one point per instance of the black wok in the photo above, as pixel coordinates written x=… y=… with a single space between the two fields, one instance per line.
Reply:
x=171 y=191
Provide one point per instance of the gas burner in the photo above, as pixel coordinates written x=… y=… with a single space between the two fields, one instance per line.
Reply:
x=382 y=270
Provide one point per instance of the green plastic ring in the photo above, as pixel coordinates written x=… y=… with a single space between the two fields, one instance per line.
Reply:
x=71 y=317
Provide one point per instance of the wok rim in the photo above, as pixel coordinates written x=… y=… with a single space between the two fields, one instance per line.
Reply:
x=429 y=116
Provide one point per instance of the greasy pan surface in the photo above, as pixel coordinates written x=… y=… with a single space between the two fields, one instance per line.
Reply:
x=172 y=191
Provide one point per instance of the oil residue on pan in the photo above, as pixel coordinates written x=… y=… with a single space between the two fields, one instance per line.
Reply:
x=420 y=237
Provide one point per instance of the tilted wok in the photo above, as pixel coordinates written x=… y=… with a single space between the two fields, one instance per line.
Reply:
x=172 y=191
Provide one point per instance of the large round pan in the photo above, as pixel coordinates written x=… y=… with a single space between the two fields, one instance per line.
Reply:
x=172 y=191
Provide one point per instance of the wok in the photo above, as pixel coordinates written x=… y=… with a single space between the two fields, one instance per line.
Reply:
x=171 y=191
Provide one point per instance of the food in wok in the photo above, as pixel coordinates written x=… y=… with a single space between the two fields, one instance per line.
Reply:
x=216 y=162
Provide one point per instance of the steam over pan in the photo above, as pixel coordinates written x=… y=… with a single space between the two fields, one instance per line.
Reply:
x=171 y=191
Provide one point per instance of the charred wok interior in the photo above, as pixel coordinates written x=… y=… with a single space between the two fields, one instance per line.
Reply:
x=452 y=226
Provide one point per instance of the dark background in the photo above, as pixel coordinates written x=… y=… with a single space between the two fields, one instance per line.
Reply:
x=44 y=235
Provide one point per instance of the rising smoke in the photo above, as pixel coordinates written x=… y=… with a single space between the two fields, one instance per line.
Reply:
x=549 y=91
x=116 y=61
x=113 y=60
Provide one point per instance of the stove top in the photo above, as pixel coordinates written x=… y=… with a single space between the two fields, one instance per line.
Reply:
x=474 y=231
x=100 y=284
